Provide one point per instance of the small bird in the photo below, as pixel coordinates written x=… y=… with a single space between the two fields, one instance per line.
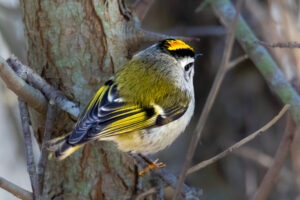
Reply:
x=143 y=108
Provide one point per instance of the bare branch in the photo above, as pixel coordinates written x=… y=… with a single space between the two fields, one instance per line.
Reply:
x=30 y=95
x=202 y=6
x=148 y=36
x=159 y=189
x=141 y=8
x=280 y=44
x=199 y=31
x=280 y=156
x=38 y=82
x=15 y=190
x=240 y=143
x=28 y=148
x=51 y=114
x=237 y=61
x=210 y=99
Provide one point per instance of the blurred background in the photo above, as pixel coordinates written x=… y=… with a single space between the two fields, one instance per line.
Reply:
x=244 y=103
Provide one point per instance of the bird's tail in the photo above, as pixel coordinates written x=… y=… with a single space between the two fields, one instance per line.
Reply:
x=60 y=148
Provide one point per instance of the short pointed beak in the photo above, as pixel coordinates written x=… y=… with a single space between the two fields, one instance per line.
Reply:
x=198 y=54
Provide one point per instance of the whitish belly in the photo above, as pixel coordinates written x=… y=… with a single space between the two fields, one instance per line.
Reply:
x=155 y=139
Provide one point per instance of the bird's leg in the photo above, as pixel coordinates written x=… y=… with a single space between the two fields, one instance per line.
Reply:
x=151 y=165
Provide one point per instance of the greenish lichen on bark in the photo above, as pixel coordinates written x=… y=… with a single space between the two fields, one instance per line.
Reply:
x=76 y=46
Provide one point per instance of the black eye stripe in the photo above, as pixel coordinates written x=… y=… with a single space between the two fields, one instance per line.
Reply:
x=188 y=66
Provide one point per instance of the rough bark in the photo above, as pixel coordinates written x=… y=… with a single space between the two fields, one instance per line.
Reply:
x=76 y=46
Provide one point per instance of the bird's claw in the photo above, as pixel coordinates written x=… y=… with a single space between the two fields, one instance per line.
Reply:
x=154 y=165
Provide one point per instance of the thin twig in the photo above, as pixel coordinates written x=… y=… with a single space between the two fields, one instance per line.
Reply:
x=141 y=8
x=149 y=36
x=280 y=156
x=199 y=31
x=240 y=143
x=202 y=6
x=210 y=99
x=28 y=148
x=145 y=194
x=169 y=179
x=15 y=190
x=237 y=61
x=51 y=114
x=280 y=44
x=38 y=82
x=160 y=190
x=30 y=95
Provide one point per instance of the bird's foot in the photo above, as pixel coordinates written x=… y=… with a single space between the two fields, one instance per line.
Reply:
x=153 y=165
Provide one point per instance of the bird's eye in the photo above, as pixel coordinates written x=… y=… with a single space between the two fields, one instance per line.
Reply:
x=188 y=66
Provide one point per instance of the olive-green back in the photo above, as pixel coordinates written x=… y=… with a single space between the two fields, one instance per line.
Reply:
x=148 y=85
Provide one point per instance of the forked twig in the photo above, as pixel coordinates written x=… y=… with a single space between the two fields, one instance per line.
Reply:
x=210 y=100
x=237 y=61
x=30 y=95
x=240 y=143
x=38 y=82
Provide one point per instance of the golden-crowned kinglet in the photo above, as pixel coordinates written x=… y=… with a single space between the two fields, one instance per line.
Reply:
x=143 y=108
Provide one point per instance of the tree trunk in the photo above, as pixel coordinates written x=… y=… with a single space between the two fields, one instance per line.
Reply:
x=76 y=46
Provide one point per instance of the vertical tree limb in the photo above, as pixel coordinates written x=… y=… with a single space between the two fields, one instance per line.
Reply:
x=160 y=189
x=271 y=176
x=51 y=114
x=28 y=148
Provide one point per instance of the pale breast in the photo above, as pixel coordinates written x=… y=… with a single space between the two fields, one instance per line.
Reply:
x=155 y=139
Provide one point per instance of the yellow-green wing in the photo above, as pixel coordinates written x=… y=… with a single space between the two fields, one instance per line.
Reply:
x=89 y=116
x=108 y=115
x=118 y=118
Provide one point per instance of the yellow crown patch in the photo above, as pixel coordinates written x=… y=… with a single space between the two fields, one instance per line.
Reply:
x=177 y=44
